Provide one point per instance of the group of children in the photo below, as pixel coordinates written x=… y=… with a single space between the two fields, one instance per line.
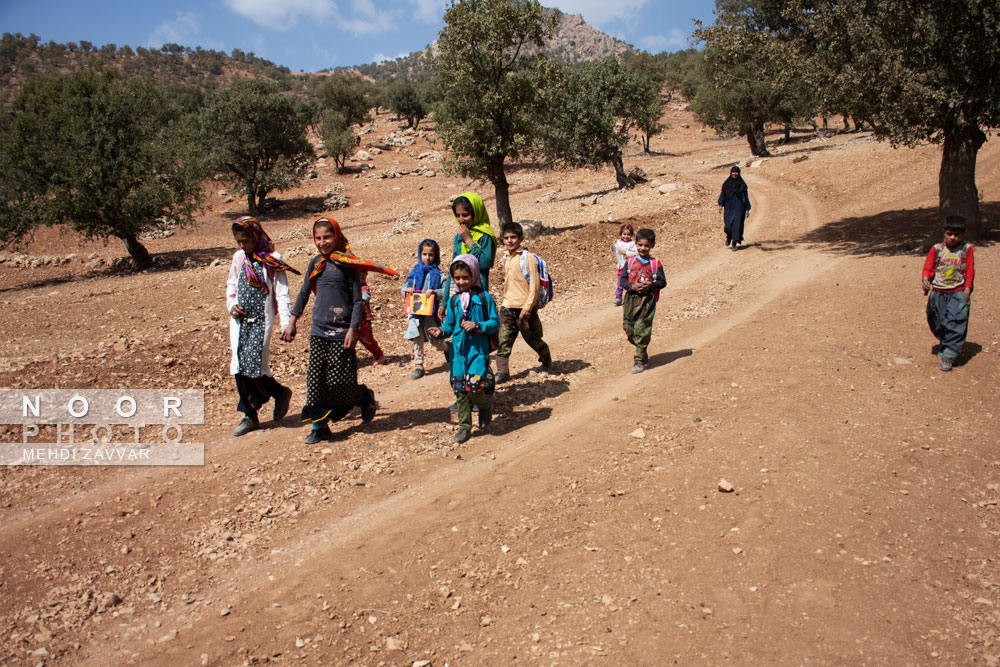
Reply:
x=462 y=319
x=466 y=324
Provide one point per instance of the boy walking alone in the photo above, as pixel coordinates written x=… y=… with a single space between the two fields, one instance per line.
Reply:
x=641 y=280
x=948 y=274
x=518 y=313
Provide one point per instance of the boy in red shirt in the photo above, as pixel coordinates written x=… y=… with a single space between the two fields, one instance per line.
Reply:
x=948 y=275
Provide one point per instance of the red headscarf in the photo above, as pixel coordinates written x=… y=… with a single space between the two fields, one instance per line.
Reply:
x=342 y=255
x=264 y=253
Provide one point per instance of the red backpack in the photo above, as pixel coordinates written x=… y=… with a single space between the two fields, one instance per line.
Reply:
x=636 y=270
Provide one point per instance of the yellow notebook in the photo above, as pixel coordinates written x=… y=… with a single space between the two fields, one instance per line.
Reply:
x=418 y=303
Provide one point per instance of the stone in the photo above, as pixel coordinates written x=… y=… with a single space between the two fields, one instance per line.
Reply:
x=394 y=644
x=801 y=158
x=430 y=173
x=108 y=600
x=532 y=228
x=224 y=611
x=900 y=361
x=363 y=156
x=638 y=433
x=485 y=621
x=637 y=175
x=667 y=188
x=756 y=163
x=547 y=197
x=216 y=262
x=312 y=174
x=421 y=663
x=725 y=486
x=299 y=642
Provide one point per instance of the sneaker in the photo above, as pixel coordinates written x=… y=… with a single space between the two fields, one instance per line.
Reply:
x=379 y=362
x=281 y=404
x=735 y=245
x=499 y=377
x=318 y=435
x=461 y=436
x=638 y=367
x=245 y=426
x=545 y=369
x=368 y=406
x=727 y=243
x=617 y=302
x=946 y=363
x=485 y=417
x=418 y=373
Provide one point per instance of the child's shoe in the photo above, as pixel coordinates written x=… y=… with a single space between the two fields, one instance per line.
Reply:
x=368 y=405
x=281 y=404
x=248 y=424
x=638 y=367
x=461 y=436
x=485 y=417
x=318 y=435
x=545 y=369
x=380 y=361
x=946 y=363
x=617 y=302
x=418 y=373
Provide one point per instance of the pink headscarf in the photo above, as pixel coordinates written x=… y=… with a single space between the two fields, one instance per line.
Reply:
x=472 y=264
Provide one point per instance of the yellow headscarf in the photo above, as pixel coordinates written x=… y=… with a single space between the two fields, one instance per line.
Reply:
x=480 y=219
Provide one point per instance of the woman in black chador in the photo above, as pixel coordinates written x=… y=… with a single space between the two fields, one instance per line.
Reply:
x=735 y=204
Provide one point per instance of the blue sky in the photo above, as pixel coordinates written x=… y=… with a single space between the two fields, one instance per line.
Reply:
x=311 y=35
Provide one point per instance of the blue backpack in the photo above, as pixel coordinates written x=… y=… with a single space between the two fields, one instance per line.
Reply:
x=545 y=290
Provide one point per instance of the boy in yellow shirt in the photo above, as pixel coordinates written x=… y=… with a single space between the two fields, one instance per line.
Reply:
x=518 y=312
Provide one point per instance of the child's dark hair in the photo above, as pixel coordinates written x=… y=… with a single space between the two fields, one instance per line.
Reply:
x=238 y=228
x=627 y=226
x=645 y=235
x=463 y=202
x=512 y=228
x=459 y=265
x=433 y=246
x=322 y=222
x=954 y=223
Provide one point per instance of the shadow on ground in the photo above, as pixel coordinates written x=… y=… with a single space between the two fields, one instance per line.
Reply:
x=906 y=231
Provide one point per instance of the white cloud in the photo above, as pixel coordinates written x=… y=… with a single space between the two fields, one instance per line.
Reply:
x=428 y=11
x=381 y=57
x=367 y=20
x=600 y=12
x=674 y=40
x=282 y=14
x=181 y=30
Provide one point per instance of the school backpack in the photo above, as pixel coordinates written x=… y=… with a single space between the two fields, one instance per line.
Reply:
x=654 y=267
x=545 y=290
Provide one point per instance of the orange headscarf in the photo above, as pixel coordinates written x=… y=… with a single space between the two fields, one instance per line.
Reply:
x=342 y=255
x=264 y=253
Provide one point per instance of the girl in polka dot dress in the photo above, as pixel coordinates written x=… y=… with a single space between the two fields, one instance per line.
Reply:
x=256 y=290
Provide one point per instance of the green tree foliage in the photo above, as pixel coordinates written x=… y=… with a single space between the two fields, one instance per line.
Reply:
x=683 y=71
x=752 y=75
x=405 y=100
x=650 y=75
x=592 y=112
x=339 y=140
x=348 y=95
x=106 y=155
x=490 y=87
x=255 y=138
x=919 y=71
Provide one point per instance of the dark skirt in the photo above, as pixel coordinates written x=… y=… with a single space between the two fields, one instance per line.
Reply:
x=332 y=388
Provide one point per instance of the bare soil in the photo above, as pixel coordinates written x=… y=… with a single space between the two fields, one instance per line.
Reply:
x=586 y=524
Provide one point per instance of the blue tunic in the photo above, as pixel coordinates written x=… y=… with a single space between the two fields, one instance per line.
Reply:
x=470 y=351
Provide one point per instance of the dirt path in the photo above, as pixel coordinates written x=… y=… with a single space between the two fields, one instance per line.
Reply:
x=862 y=530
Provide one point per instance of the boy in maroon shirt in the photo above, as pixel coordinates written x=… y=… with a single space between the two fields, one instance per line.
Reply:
x=948 y=274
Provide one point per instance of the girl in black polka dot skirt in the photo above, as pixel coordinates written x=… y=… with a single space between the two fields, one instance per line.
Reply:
x=332 y=388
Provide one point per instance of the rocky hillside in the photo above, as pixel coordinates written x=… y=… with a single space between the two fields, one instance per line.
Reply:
x=574 y=41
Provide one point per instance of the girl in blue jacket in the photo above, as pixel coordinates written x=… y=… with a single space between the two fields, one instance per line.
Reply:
x=470 y=318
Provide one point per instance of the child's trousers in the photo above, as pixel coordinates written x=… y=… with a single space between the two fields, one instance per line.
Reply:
x=511 y=325
x=255 y=392
x=465 y=401
x=618 y=286
x=948 y=317
x=367 y=338
x=637 y=321
x=418 y=349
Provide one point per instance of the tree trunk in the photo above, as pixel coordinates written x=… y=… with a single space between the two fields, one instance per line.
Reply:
x=140 y=256
x=261 y=196
x=252 y=204
x=758 y=140
x=788 y=133
x=957 y=193
x=498 y=177
x=847 y=123
x=645 y=143
x=620 y=174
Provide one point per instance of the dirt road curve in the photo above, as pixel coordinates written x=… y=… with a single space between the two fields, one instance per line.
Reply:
x=586 y=526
